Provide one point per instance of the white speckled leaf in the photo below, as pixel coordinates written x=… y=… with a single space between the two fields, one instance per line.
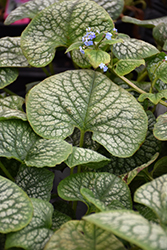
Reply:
x=11 y=107
x=61 y=24
x=145 y=153
x=104 y=186
x=11 y=54
x=16 y=209
x=37 y=233
x=81 y=235
x=28 y=9
x=37 y=183
x=133 y=48
x=145 y=23
x=18 y=141
x=153 y=97
x=89 y=101
x=86 y=157
x=160 y=33
x=80 y=59
x=124 y=67
x=95 y=57
x=154 y=196
x=132 y=227
x=59 y=219
x=160 y=128
x=7 y=76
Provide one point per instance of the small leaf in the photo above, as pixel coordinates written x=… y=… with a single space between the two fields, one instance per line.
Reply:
x=59 y=219
x=89 y=101
x=160 y=128
x=160 y=33
x=16 y=210
x=11 y=107
x=160 y=167
x=38 y=232
x=18 y=141
x=37 y=183
x=145 y=23
x=125 y=66
x=97 y=56
x=104 y=186
x=7 y=76
x=60 y=25
x=73 y=46
x=82 y=235
x=154 y=196
x=133 y=48
x=80 y=59
x=11 y=53
x=86 y=157
x=153 y=97
x=132 y=227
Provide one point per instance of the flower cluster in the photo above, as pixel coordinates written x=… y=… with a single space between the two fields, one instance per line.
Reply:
x=103 y=66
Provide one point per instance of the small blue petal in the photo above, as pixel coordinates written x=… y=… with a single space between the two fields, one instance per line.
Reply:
x=105 y=68
x=115 y=30
x=101 y=65
x=165 y=58
x=108 y=36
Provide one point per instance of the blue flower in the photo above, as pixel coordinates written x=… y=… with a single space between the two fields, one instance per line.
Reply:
x=103 y=66
x=88 y=43
x=108 y=36
x=81 y=50
x=165 y=58
x=91 y=35
x=114 y=29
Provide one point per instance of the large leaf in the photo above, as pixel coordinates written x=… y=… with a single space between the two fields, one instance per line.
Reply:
x=18 y=141
x=132 y=227
x=37 y=183
x=154 y=196
x=145 y=23
x=133 y=48
x=11 y=53
x=61 y=24
x=143 y=156
x=89 y=101
x=81 y=235
x=37 y=233
x=86 y=157
x=11 y=107
x=105 y=187
x=28 y=9
x=160 y=128
x=7 y=76
x=16 y=209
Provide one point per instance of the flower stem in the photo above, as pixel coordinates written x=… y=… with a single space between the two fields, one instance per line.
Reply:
x=8 y=91
x=45 y=71
x=51 y=68
x=6 y=172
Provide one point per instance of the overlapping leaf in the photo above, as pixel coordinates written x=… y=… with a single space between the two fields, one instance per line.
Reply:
x=124 y=67
x=160 y=128
x=132 y=227
x=97 y=56
x=18 y=141
x=16 y=209
x=11 y=53
x=37 y=183
x=37 y=233
x=105 y=187
x=154 y=196
x=160 y=33
x=61 y=24
x=134 y=49
x=7 y=76
x=153 y=97
x=59 y=219
x=89 y=101
x=81 y=235
x=11 y=107
x=86 y=157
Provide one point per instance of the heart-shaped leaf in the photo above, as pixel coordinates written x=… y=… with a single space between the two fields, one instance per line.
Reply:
x=37 y=233
x=59 y=219
x=37 y=183
x=145 y=153
x=18 y=141
x=61 y=24
x=104 y=186
x=125 y=66
x=133 y=48
x=7 y=76
x=154 y=196
x=160 y=33
x=97 y=56
x=153 y=97
x=132 y=227
x=82 y=235
x=86 y=157
x=145 y=23
x=89 y=101
x=16 y=209
x=11 y=53
x=11 y=107
x=160 y=128
x=28 y=9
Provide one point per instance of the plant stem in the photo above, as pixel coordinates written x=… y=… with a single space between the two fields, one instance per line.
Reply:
x=141 y=77
x=51 y=68
x=6 y=172
x=8 y=91
x=81 y=139
x=45 y=71
x=71 y=171
x=152 y=85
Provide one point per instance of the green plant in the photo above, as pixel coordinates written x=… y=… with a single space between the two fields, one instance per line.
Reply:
x=97 y=119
